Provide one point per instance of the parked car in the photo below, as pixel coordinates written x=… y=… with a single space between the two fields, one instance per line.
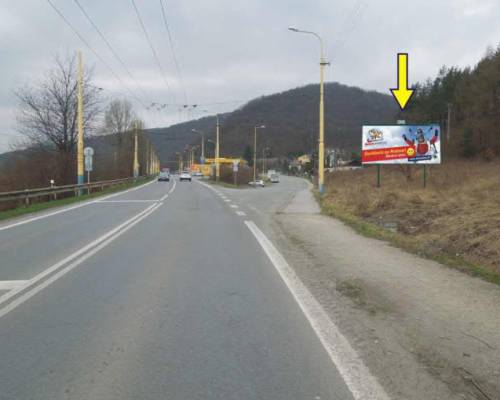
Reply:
x=164 y=176
x=185 y=176
x=258 y=182
x=274 y=178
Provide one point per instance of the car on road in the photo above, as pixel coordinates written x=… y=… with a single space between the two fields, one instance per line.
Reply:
x=198 y=173
x=185 y=176
x=258 y=182
x=164 y=176
x=274 y=178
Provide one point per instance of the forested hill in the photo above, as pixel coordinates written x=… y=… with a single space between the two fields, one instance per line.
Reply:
x=291 y=120
x=470 y=99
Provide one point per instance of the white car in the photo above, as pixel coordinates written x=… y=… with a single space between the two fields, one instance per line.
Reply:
x=275 y=178
x=185 y=176
x=258 y=182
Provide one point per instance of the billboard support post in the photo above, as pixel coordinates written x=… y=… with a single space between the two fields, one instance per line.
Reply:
x=425 y=176
x=378 y=176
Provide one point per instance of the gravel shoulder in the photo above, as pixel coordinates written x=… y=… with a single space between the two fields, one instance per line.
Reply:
x=426 y=331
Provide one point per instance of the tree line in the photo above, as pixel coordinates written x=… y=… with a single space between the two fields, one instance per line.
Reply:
x=466 y=102
x=47 y=122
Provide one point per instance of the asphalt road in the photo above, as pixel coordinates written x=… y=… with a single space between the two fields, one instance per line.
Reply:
x=159 y=293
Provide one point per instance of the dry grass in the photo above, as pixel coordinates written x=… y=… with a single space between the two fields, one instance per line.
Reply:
x=457 y=215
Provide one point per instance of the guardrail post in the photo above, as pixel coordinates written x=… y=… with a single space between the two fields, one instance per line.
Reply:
x=27 y=200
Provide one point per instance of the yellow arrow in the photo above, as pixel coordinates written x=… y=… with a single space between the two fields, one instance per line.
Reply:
x=402 y=94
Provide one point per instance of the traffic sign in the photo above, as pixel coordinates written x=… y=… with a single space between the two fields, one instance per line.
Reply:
x=235 y=166
x=88 y=151
x=88 y=163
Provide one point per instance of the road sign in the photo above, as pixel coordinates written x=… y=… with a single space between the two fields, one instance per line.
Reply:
x=235 y=166
x=88 y=151
x=88 y=163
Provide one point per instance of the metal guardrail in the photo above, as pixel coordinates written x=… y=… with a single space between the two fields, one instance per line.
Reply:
x=52 y=191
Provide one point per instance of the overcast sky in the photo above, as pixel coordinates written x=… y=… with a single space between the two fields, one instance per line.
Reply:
x=234 y=50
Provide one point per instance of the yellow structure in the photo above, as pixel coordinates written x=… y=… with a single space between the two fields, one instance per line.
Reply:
x=206 y=169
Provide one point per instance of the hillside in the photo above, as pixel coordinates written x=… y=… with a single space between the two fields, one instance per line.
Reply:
x=291 y=120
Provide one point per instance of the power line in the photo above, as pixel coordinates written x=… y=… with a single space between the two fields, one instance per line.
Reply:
x=84 y=41
x=165 y=22
x=155 y=55
x=108 y=44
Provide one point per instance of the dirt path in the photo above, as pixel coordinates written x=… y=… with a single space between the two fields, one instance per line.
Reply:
x=426 y=331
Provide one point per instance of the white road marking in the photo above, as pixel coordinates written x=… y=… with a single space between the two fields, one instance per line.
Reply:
x=234 y=206
x=71 y=257
x=356 y=375
x=227 y=200
x=98 y=244
x=241 y=213
x=130 y=201
x=173 y=188
x=26 y=296
x=9 y=285
x=66 y=209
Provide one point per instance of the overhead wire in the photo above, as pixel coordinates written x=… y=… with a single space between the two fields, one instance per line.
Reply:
x=110 y=47
x=172 y=49
x=87 y=44
x=155 y=54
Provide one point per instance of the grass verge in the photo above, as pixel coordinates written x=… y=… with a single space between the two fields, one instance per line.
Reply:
x=404 y=242
x=37 y=207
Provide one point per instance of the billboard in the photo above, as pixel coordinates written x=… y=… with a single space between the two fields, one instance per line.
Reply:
x=401 y=144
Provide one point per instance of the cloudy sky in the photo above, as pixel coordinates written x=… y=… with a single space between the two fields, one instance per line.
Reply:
x=230 y=51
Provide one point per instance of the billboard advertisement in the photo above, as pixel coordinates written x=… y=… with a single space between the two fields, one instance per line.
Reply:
x=401 y=144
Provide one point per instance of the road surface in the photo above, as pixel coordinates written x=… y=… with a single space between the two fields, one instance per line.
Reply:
x=163 y=292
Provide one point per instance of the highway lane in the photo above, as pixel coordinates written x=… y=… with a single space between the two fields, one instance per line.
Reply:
x=183 y=305
x=32 y=247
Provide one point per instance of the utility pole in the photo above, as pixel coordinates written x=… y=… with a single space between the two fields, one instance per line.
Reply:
x=217 y=162
x=321 y=156
x=79 y=154
x=255 y=151
x=321 y=140
x=136 y=158
x=448 y=124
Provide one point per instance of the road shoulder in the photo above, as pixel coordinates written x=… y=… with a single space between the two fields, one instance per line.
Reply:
x=412 y=320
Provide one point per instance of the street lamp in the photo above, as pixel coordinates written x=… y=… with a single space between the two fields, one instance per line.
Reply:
x=255 y=151
x=321 y=141
x=202 y=144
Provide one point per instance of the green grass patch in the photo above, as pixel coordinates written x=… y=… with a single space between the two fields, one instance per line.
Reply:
x=402 y=241
x=37 y=207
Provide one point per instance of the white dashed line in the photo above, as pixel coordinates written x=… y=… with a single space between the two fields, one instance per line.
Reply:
x=234 y=206
x=241 y=213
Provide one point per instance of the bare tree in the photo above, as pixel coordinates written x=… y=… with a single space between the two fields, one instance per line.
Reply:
x=48 y=110
x=118 y=118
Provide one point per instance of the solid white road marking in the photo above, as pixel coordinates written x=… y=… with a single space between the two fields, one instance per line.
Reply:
x=71 y=257
x=26 y=296
x=240 y=213
x=81 y=252
x=172 y=188
x=9 y=285
x=129 y=201
x=356 y=375
x=66 y=209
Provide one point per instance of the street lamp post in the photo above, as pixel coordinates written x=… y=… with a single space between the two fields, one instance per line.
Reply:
x=202 y=144
x=321 y=141
x=255 y=152
x=217 y=162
